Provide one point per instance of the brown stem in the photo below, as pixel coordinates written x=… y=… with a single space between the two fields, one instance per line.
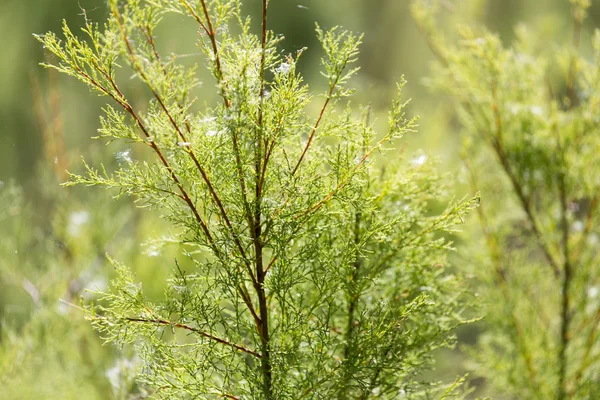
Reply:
x=183 y=137
x=566 y=285
x=353 y=300
x=223 y=84
x=229 y=396
x=225 y=342
x=211 y=33
x=565 y=303
x=498 y=146
x=589 y=346
x=343 y=183
x=121 y=100
x=248 y=301
x=314 y=130
x=260 y=128
x=501 y=280
x=263 y=307
x=589 y=225
x=257 y=236
x=568 y=267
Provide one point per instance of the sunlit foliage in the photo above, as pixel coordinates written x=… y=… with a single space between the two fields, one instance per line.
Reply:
x=529 y=114
x=317 y=272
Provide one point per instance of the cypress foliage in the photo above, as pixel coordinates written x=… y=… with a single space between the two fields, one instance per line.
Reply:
x=314 y=266
x=529 y=116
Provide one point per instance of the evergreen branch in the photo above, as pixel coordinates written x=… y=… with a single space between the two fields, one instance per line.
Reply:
x=121 y=100
x=427 y=31
x=589 y=225
x=354 y=298
x=565 y=313
x=264 y=333
x=182 y=136
x=195 y=330
x=248 y=301
x=589 y=346
x=335 y=64
x=439 y=223
x=211 y=33
x=324 y=378
x=223 y=84
x=497 y=145
x=501 y=279
x=315 y=207
x=261 y=97
x=388 y=348
x=314 y=129
x=196 y=17
x=271 y=146
x=526 y=206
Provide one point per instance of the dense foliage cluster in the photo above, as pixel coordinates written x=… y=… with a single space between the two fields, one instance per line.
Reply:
x=312 y=270
x=532 y=108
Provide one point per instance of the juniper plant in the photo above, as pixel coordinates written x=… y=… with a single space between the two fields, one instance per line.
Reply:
x=313 y=271
x=534 y=109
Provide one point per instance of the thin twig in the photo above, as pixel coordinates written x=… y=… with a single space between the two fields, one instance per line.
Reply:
x=208 y=29
x=314 y=129
x=500 y=277
x=497 y=145
x=257 y=233
x=225 y=342
x=121 y=100
x=189 y=150
x=589 y=346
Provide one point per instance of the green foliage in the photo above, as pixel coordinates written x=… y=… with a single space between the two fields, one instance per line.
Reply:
x=46 y=350
x=532 y=108
x=312 y=271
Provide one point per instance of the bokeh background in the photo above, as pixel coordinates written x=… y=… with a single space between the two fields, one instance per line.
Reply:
x=53 y=240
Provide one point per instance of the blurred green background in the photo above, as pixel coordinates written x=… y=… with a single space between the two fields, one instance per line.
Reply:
x=53 y=240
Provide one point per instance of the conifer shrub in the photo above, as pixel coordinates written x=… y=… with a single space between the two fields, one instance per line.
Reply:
x=312 y=264
x=529 y=116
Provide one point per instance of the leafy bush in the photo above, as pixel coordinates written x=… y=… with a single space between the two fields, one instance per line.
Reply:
x=312 y=270
x=532 y=108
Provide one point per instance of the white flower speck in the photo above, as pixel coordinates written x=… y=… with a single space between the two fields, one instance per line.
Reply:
x=76 y=221
x=124 y=157
x=537 y=110
x=284 y=68
x=418 y=161
x=121 y=374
